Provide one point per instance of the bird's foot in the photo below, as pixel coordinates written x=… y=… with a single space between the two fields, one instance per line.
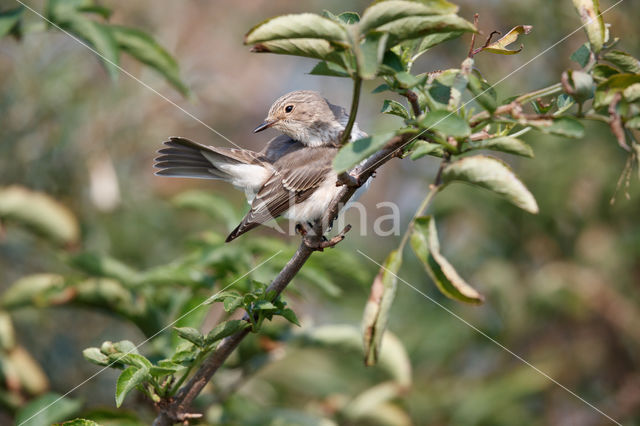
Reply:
x=323 y=243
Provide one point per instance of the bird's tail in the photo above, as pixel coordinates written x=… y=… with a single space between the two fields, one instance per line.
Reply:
x=184 y=158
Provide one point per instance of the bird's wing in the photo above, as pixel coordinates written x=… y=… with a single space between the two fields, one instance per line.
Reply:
x=292 y=183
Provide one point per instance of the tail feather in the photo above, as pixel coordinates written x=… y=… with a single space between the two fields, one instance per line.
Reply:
x=241 y=229
x=184 y=158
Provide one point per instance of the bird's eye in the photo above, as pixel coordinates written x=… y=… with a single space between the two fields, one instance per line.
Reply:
x=288 y=108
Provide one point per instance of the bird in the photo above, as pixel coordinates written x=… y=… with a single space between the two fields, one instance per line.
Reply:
x=291 y=177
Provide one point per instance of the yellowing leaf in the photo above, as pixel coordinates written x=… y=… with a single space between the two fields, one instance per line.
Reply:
x=424 y=241
x=589 y=11
x=376 y=312
x=500 y=46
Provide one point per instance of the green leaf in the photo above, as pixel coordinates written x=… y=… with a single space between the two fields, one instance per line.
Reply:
x=290 y=316
x=214 y=205
x=582 y=86
x=191 y=334
x=47 y=409
x=421 y=46
x=563 y=103
x=506 y=144
x=376 y=312
x=9 y=20
x=420 y=26
x=304 y=25
x=422 y=148
x=483 y=92
x=562 y=126
x=500 y=46
x=330 y=69
x=384 y=12
x=589 y=11
x=356 y=151
x=225 y=329
x=407 y=80
x=582 y=55
x=633 y=123
x=128 y=380
x=425 y=244
x=100 y=37
x=446 y=123
x=606 y=90
x=394 y=108
x=35 y=289
x=97 y=9
x=103 y=266
x=95 y=356
x=623 y=60
x=492 y=174
x=80 y=422
x=164 y=368
x=349 y=17
x=602 y=72
x=382 y=88
x=306 y=47
x=369 y=54
x=145 y=49
x=264 y=305
x=39 y=212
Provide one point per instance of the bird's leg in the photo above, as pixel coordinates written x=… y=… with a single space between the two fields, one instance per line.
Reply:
x=301 y=229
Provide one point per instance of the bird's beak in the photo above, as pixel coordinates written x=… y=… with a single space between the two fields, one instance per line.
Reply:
x=265 y=125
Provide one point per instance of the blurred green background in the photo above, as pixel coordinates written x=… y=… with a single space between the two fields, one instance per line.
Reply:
x=562 y=288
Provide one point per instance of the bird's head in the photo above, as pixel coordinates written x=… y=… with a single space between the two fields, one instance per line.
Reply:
x=307 y=117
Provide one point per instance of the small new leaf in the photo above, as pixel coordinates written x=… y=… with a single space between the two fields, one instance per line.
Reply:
x=394 y=108
x=425 y=244
x=129 y=379
x=191 y=334
x=500 y=46
x=225 y=329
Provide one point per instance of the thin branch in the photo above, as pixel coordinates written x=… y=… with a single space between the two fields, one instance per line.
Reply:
x=346 y=134
x=413 y=100
x=177 y=409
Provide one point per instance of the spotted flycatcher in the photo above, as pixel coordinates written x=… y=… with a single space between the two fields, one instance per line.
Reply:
x=291 y=177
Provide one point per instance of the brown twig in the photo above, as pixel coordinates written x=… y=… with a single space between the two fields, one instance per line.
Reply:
x=413 y=100
x=177 y=409
x=473 y=35
x=615 y=122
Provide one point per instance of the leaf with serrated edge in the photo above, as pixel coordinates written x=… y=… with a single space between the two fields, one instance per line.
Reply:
x=500 y=46
x=420 y=26
x=503 y=144
x=383 y=12
x=129 y=379
x=394 y=108
x=303 y=25
x=425 y=244
x=492 y=174
x=447 y=123
x=225 y=329
x=376 y=312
